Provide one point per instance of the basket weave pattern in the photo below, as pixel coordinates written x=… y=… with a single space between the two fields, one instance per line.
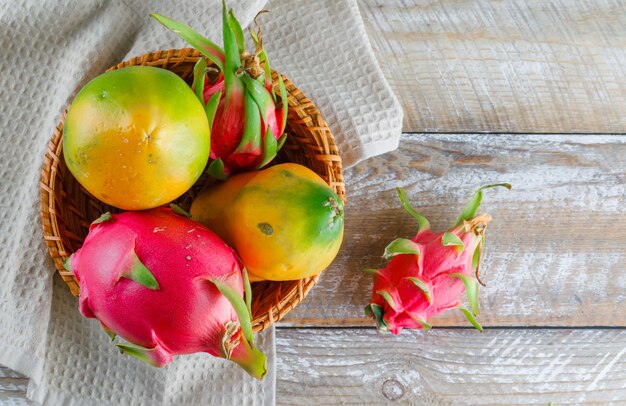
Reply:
x=67 y=209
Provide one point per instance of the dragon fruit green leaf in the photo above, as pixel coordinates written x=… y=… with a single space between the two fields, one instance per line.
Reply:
x=376 y=311
x=387 y=296
x=199 y=76
x=450 y=239
x=281 y=141
x=247 y=290
x=216 y=170
x=401 y=246
x=422 y=222
x=284 y=101
x=270 y=147
x=240 y=308
x=139 y=352
x=231 y=49
x=237 y=30
x=260 y=95
x=105 y=217
x=478 y=253
x=470 y=317
x=67 y=264
x=251 y=139
x=111 y=334
x=423 y=323
x=211 y=107
x=423 y=287
x=207 y=48
x=471 y=289
x=179 y=210
x=371 y=271
x=469 y=212
x=139 y=273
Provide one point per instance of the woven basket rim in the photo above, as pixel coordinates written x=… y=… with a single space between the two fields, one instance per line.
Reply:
x=303 y=114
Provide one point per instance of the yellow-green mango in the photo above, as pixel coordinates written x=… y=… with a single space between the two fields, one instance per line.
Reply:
x=285 y=222
x=136 y=137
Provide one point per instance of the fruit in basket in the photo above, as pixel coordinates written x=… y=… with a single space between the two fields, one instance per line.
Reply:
x=246 y=123
x=169 y=286
x=285 y=222
x=428 y=274
x=136 y=137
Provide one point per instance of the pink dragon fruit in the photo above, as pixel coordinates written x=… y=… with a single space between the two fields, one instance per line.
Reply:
x=246 y=124
x=167 y=285
x=429 y=273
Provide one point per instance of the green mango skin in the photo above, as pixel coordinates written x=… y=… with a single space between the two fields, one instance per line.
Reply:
x=285 y=222
x=136 y=137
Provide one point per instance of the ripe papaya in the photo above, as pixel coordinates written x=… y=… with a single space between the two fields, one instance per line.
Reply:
x=285 y=222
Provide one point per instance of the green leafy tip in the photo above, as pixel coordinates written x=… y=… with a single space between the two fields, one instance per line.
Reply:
x=284 y=101
x=423 y=287
x=422 y=222
x=371 y=271
x=207 y=48
x=237 y=30
x=138 y=352
x=231 y=49
x=211 y=107
x=470 y=317
x=248 y=290
x=240 y=307
x=216 y=170
x=111 y=334
x=377 y=313
x=139 y=273
x=251 y=139
x=105 y=217
x=67 y=264
x=199 y=76
x=422 y=322
x=387 y=296
x=401 y=246
x=478 y=252
x=270 y=147
x=469 y=212
x=179 y=210
x=471 y=288
x=450 y=239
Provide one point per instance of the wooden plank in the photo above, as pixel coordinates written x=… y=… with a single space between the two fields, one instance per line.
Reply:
x=439 y=367
x=503 y=66
x=556 y=248
x=13 y=388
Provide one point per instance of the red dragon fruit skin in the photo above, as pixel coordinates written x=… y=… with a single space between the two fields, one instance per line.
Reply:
x=247 y=126
x=429 y=273
x=168 y=285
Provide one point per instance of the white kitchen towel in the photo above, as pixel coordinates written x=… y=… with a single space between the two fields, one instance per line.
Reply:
x=48 y=50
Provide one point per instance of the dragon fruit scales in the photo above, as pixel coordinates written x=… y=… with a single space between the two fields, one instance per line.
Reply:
x=242 y=108
x=429 y=273
x=167 y=285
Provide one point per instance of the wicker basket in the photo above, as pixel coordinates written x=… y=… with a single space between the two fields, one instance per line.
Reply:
x=67 y=208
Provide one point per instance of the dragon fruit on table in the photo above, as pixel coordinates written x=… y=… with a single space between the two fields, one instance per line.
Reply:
x=428 y=274
x=246 y=124
x=169 y=286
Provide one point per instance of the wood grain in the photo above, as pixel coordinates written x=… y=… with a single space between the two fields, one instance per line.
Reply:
x=440 y=367
x=451 y=367
x=13 y=388
x=556 y=249
x=503 y=66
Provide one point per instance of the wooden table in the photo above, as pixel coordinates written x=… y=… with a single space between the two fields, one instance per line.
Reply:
x=532 y=93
